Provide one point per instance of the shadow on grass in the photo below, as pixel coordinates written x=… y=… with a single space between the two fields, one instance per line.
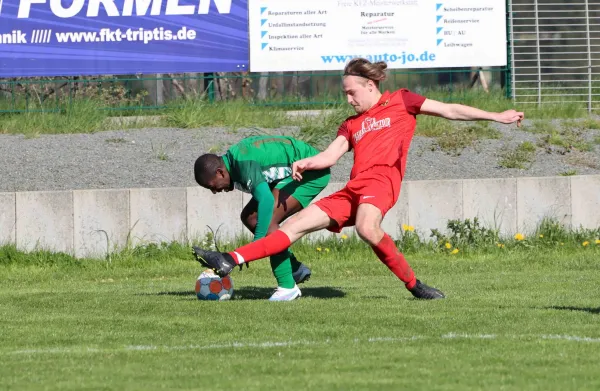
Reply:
x=582 y=309
x=262 y=293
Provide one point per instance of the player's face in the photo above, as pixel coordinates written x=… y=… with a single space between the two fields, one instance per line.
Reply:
x=220 y=182
x=359 y=93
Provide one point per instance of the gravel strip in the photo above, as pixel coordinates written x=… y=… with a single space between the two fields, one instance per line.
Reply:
x=163 y=157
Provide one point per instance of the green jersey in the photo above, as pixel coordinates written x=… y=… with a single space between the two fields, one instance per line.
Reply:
x=259 y=163
x=264 y=159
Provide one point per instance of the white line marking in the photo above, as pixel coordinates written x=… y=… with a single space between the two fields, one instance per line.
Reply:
x=287 y=344
x=134 y=348
x=0 y=6
x=469 y=336
x=571 y=338
x=33 y=36
x=49 y=36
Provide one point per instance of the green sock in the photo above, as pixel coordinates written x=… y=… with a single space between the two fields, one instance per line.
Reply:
x=295 y=263
x=282 y=269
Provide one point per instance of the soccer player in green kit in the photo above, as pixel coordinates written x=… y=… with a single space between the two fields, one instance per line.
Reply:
x=262 y=166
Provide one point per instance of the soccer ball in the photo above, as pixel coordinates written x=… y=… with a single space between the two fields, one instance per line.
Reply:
x=210 y=286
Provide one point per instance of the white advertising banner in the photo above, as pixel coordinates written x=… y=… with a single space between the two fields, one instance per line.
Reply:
x=313 y=35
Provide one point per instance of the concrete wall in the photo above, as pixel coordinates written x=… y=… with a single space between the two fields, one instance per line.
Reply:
x=90 y=223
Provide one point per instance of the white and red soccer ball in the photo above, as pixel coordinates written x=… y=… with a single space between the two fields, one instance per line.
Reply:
x=209 y=286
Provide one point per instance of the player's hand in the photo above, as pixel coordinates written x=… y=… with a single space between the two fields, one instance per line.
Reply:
x=510 y=116
x=297 y=169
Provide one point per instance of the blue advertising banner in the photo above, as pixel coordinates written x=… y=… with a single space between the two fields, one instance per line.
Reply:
x=116 y=37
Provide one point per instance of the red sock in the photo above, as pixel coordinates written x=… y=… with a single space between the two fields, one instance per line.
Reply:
x=392 y=258
x=271 y=244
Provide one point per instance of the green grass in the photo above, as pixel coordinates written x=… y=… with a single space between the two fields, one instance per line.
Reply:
x=116 y=140
x=590 y=123
x=515 y=318
x=161 y=151
x=570 y=137
x=541 y=126
x=518 y=157
x=496 y=100
x=588 y=159
x=568 y=173
x=91 y=115
x=459 y=137
x=196 y=114
x=83 y=117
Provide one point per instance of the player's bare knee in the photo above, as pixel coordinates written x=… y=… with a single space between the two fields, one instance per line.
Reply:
x=292 y=225
x=368 y=232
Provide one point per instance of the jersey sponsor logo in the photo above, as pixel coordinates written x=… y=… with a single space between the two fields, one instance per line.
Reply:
x=276 y=173
x=371 y=124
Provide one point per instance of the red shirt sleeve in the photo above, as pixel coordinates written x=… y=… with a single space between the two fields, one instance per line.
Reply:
x=412 y=101
x=345 y=132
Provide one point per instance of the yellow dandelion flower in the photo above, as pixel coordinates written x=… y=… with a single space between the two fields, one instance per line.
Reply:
x=455 y=251
x=344 y=237
x=519 y=236
x=500 y=245
x=318 y=248
x=404 y=227
x=541 y=236
x=586 y=243
x=448 y=246
x=411 y=228
x=597 y=241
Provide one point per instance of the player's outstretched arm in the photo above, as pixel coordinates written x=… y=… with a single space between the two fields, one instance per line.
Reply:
x=322 y=160
x=458 y=112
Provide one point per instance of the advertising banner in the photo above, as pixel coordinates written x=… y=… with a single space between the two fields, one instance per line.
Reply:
x=312 y=35
x=112 y=37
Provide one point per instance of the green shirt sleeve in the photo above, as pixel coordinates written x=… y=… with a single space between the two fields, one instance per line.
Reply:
x=249 y=174
x=264 y=197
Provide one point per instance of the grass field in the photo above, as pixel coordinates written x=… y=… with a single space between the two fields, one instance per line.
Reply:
x=87 y=115
x=520 y=317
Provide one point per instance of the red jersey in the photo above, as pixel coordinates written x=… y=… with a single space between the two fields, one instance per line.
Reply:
x=382 y=134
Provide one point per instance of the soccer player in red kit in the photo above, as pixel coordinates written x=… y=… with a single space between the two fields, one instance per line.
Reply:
x=380 y=134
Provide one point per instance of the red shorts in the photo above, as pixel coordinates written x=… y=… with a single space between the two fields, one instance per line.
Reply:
x=379 y=186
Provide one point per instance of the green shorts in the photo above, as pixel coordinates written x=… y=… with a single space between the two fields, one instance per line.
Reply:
x=313 y=182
